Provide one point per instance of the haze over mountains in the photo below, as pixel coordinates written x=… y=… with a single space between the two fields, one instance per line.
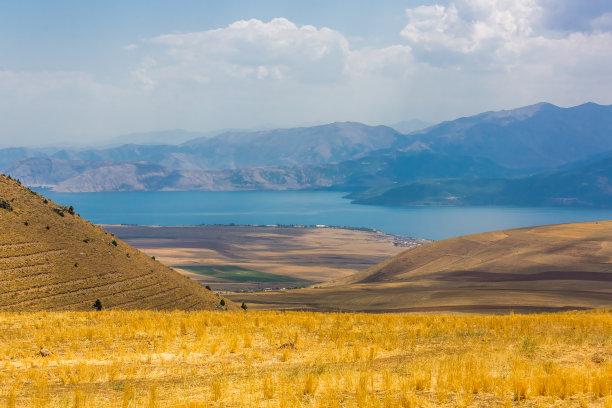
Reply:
x=487 y=159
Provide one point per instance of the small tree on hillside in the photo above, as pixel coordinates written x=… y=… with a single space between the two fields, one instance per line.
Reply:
x=97 y=305
x=244 y=306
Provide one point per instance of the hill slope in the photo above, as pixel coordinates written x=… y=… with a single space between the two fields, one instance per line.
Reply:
x=528 y=269
x=52 y=259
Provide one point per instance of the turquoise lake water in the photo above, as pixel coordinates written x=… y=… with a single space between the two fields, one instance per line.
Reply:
x=308 y=208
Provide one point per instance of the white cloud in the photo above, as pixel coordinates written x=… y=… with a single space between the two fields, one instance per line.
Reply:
x=470 y=31
x=248 y=50
x=602 y=22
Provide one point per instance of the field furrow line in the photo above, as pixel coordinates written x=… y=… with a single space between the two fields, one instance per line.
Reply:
x=96 y=286
x=5 y=272
x=34 y=254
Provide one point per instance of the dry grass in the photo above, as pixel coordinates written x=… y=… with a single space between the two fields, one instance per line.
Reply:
x=235 y=359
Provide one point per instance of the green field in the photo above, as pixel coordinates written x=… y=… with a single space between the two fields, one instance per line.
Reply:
x=238 y=274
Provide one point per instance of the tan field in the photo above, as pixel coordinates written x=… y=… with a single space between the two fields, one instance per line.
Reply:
x=52 y=259
x=274 y=359
x=544 y=268
x=313 y=254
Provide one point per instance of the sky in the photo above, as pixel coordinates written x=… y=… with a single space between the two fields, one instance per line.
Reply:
x=87 y=71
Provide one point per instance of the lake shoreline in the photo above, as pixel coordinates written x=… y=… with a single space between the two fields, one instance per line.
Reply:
x=169 y=208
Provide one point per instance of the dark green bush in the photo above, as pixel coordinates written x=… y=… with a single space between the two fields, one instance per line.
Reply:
x=5 y=204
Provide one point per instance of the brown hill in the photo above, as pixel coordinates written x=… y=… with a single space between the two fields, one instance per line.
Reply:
x=552 y=267
x=52 y=259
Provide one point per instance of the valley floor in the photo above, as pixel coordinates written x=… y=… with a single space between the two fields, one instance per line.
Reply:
x=296 y=256
x=285 y=359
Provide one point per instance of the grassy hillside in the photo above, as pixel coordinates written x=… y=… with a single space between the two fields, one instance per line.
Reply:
x=529 y=269
x=270 y=359
x=52 y=259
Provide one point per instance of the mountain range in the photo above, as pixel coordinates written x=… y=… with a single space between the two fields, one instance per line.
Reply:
x=535 y=155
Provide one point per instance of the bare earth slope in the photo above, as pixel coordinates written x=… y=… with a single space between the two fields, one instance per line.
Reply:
x=52 y=259
x=528 y=269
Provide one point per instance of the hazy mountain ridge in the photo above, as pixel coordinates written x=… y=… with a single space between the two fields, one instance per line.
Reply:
x=232 y=150
x=469 y=161
x=541 y=135
x=97 y=176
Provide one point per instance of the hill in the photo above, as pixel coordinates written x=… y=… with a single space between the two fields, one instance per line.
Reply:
x=555 y=267
x=52 y=259
x=587 y=185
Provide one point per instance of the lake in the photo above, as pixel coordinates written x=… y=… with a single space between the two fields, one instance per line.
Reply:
x=308 y=208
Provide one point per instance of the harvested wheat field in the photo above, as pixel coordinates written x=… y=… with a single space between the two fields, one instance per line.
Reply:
x=302 y=359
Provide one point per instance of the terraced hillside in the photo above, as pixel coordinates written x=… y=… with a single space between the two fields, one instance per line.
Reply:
x=52 y=259
x=546 y=268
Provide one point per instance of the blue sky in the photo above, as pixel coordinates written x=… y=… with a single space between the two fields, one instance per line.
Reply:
x=82 y=72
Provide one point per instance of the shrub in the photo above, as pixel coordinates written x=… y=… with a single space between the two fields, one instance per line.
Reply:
x=97 y=305
x=222 y=303
x=5 y=204
x=244 y=306
x=207 y=287
x=114 y=242
x=26 y=223
x=61 y=210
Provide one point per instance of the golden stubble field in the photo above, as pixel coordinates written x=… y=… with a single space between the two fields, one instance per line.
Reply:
x=300 y=359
